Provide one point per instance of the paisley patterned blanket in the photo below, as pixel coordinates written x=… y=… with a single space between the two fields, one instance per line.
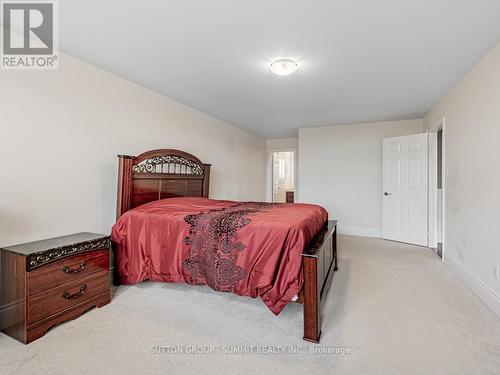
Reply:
x=247 y=248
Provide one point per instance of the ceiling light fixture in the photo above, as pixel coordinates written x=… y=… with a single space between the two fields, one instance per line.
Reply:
x=284 y=67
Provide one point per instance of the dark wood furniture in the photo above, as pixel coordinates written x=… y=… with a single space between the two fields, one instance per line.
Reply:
x=319 y=262
x=166 y=173
x=289 y=197
x=45 y=283
x=160 y=174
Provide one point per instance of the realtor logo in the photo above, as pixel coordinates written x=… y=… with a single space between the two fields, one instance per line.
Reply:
x=29 y=35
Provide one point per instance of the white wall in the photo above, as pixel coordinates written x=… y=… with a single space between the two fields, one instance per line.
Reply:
x=277 y=145
x=282 y=143
x=472 y=156
x=60 y=132
x=340 y=168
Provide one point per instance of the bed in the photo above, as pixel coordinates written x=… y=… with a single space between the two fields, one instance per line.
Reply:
x=168 y=230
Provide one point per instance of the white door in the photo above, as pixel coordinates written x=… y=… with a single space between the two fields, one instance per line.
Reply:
x=405 y=189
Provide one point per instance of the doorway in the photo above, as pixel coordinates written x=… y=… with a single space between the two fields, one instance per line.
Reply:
x=439 y=232
x=283 y=177
x=437 y=188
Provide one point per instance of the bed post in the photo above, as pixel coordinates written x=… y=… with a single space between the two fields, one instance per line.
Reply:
x=123 y=203
x=312 y=316
x=334 y=249
x=206 y=180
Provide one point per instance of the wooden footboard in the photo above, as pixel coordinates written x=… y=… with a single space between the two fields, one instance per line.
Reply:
x=319 y=263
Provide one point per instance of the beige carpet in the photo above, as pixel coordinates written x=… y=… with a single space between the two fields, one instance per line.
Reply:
x=396 y=309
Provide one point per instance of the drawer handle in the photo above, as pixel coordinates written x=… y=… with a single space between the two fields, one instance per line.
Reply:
x=67 y=295
x=68 y=269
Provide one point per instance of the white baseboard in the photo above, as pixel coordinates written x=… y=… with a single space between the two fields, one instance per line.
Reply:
x=485 y=294
x=359 y=231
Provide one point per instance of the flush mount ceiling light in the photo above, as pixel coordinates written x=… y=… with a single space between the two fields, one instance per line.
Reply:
x=284 y=67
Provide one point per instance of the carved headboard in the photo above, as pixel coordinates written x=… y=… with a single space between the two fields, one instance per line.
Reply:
x=159 y=174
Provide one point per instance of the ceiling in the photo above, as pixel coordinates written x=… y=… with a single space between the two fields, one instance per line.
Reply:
x=359 y=60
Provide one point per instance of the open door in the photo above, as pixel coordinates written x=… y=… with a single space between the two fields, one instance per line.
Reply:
x=405 y=189
x=283 y=176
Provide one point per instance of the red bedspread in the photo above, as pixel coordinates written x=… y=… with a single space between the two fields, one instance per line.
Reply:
x=247 y=248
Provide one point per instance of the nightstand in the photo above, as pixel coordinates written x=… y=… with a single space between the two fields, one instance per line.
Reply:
x=48 y=282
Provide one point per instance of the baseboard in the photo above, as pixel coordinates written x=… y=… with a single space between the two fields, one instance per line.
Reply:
x=485 y=294
x=359 y=231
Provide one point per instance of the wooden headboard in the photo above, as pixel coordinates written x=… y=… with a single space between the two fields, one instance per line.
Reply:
x=159 y=174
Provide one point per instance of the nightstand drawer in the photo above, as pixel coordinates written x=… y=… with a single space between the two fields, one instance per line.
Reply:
x=67 y=269
x=66 y=296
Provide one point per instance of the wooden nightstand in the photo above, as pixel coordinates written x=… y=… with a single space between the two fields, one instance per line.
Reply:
x=45 y=283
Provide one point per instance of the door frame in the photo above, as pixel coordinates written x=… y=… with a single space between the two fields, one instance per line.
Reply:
x=269 y=171
x=433 y=191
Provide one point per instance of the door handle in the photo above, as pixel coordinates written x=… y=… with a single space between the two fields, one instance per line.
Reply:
x=387 y=193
